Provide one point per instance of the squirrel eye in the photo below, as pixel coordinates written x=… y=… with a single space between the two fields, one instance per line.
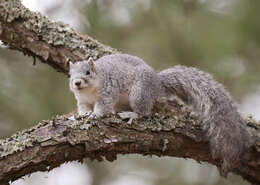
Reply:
x=68 y=75
x=87 y=72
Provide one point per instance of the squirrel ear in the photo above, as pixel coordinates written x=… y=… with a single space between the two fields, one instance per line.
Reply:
x=92 y=65
x=70 y=64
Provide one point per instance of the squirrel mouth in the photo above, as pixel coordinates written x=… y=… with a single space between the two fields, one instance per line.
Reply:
x=80 y=88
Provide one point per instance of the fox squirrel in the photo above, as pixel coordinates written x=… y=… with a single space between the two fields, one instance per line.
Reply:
x=122 y=82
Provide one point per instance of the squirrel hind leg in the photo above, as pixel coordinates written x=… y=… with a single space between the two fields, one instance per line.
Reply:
x=140 y=99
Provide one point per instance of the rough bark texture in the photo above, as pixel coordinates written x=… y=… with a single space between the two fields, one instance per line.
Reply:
x=52 y=42
x=60 y=139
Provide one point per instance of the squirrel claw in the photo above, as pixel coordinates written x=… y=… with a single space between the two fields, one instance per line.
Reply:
x=128 y=115
x=87 y=113
x=92 y=115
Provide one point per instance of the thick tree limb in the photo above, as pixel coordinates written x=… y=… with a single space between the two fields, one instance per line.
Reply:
x=55 y=141
x=61 y=139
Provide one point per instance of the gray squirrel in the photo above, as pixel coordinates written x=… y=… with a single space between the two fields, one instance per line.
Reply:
x=114 y=83
x=122 y=82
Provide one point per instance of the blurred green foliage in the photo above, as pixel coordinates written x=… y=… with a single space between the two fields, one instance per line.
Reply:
x=218 y=36
x=223 y=42
x=29 y=93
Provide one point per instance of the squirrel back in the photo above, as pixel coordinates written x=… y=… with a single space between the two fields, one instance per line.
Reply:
x=223 y=125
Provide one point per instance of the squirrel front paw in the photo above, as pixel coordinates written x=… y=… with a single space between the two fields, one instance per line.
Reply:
x=85 y=113
x=89 y=115
x=128 y=115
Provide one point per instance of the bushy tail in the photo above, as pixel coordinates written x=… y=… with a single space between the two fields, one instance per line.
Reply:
x=224 y=127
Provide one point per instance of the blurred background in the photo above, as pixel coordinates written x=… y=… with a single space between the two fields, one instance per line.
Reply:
x=221 y=37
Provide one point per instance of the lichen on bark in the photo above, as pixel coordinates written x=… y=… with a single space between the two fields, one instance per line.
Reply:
x=29 y=137
x=51 y=32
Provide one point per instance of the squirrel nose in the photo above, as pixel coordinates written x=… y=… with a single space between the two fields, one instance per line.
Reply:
x=77 y=83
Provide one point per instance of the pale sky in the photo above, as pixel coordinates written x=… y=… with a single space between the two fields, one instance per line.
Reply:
x=69 y=17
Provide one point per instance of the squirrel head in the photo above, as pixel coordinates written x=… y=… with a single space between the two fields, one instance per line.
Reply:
x=82 y=75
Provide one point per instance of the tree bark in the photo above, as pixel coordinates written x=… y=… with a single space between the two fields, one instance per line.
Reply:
x=61 y=139
x=52 y=42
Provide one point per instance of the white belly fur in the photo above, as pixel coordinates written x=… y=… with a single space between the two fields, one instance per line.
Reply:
x=90 y=96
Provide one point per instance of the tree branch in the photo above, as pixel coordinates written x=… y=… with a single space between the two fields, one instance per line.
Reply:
x=61 y=139
x=52 y=42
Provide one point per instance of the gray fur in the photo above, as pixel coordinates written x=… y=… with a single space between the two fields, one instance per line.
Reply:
x=122 y=82
x=224 y=127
